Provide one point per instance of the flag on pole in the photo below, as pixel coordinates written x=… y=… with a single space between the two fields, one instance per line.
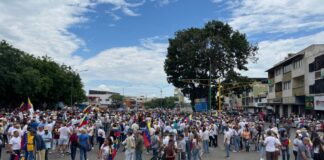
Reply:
x=30 y=106
x=87 y=109
x=22 y=107
x=84 y=121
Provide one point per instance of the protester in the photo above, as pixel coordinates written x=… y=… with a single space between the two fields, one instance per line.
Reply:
x=139 y=145
x=40 y=147
x=73 y=143
x=129 y=146
x=47 y=137
x=15 y=146
x=304 y=152
x=84 y=142
x=271 y=143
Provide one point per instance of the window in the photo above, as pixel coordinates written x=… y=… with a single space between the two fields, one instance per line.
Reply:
x=311 y=89
x=319 y=62
x=278 y=71
x=107 y=100
x=286 y=85
x=311 y=67
x=287 y=68
x=319 y=86
x=271 y=88
x=297 y=64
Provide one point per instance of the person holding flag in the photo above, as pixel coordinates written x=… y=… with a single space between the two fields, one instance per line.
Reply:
x=139 y=145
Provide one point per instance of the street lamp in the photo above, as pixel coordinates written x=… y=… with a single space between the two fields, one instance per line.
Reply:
x=71 y=100
x=161 y=91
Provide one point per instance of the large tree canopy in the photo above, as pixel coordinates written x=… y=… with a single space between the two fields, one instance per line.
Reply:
x=214 y=51
x=43 y=80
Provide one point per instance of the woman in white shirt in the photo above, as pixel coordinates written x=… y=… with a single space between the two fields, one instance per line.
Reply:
x=106 y=150
x=297 y=141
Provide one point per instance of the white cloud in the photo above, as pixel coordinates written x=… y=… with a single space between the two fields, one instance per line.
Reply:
x=140 y=65
x=272 y=52
x=41 y=27
x=275 y=16
x=164 y=2
x=103 y=87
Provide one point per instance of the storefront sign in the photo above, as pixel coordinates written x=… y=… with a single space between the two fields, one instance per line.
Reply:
x=319 y=103
x=309 y=102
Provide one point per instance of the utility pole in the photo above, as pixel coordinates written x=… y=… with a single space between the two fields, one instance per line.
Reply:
x=161 y=99
x=209 y=94
x=219 y=95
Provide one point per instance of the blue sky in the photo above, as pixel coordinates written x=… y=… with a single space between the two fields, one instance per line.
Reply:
x=122 y=43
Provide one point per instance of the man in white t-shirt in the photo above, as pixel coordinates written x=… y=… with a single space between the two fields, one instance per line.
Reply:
x=15 y=145
x=227 y=141
x=63 y=141
x=271 y=143
x=205 y=138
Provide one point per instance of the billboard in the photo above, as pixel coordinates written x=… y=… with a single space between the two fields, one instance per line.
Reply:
x=201 y=105
x=319 y=103
x=309 y=102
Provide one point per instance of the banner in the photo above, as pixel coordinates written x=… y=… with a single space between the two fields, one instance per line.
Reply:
x=201 y=105
x=319 y=103
x=309 y=102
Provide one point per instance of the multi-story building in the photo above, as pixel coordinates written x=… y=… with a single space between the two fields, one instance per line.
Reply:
x=253 y=98
x=298 y=77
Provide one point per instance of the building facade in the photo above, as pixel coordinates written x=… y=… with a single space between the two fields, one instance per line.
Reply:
x=101 y=98
x=297 y=78
x=253 y=99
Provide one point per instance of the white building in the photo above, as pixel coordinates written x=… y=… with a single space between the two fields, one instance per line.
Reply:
x=100 y=97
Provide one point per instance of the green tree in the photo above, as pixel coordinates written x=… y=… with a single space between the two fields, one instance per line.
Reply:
x=117 y=99
x=166 y=102
x=213 y=51
x=40 y=78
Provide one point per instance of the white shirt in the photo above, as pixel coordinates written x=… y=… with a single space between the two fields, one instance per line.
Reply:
x=16 y=143
x=270 y=143
x=296 y=143
x=64 y=132
x=227 y=137
x=205 y=135
x=168 y=128
x=166 y=140
x=101 y=133
x=90 y=131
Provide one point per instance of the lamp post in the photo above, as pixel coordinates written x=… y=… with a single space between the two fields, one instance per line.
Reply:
x=71 y=98
x=161 y=91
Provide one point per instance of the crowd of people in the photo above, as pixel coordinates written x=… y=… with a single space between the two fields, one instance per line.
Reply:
x=165 y=134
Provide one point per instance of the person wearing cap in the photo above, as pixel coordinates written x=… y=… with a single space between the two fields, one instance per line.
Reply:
x=47 y=137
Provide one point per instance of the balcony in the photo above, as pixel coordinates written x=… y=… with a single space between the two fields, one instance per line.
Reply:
x=299 y=91
x=286 y=76
x=279 y=94
x=270 y=81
